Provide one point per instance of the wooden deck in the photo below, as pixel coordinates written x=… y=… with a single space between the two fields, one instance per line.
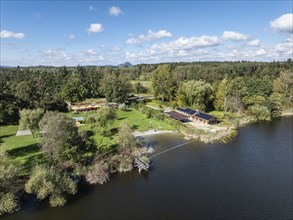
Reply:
x=140 y=164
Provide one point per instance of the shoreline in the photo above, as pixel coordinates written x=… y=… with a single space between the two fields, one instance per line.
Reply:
x=138 y=134
x=224 y=136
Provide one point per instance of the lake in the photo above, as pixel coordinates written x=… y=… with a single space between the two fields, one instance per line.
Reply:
x=249 y=178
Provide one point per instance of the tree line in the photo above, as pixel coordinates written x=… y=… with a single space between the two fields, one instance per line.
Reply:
x=50 y=88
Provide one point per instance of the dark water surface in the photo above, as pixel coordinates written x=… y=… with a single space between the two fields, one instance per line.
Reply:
x=250 y=178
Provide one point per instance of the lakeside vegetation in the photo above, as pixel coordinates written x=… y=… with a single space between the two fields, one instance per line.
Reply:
x=63 y=154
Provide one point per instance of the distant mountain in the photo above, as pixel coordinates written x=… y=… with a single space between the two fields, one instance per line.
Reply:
x=5 y=66
x=126 y=64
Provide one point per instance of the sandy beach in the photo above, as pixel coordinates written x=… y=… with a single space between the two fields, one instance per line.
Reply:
x=150 y=132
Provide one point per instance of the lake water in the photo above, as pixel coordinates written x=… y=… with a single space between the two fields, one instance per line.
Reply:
x=250 y=178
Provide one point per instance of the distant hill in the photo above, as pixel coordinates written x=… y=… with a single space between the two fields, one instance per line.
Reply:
x=126 y=64
x=5 y=66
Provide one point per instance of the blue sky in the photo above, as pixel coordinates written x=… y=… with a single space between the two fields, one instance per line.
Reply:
x=104 y=32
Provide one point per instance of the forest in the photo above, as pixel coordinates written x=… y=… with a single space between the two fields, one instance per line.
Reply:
x=36 y=98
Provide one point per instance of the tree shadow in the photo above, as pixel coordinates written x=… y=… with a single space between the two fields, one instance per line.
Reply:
x=113 y=131
x=135 y=127
x=33 y=161
x=32 y=157
x=22 y=151
x=121 y=118
x=89 y=133
x=6 y=136
x=127 y=110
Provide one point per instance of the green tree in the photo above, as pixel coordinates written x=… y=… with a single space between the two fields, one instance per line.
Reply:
x=47 y=182
x=24 y=91
x=284 y=86
x=164 y=85
x=125 y=137
x=275 y=105
x=198 y=94
x=29 y=119
x=261 y=113
x=103 y=119
x=61 y=141
x=8 y=174
x=220 y=102
x=115 y=87
x=139 y=88
x=236 y=90
x=73 y=91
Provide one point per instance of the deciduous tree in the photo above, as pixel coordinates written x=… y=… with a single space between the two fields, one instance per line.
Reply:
x=163 y=82
x=198 y=94
x=8 y=174
x=61 y=141
x=47 y=182
x=29 y=119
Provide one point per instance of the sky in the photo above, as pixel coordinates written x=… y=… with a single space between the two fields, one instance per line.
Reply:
x=75 y=33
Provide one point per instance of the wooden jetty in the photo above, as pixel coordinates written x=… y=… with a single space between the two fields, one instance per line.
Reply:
x=140 y=164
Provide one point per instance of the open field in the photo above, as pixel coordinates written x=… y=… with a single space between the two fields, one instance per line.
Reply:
x=145 y=83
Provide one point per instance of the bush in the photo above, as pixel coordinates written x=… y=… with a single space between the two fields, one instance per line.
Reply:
x=8 y=203
x=97 y=174
x=261 y=113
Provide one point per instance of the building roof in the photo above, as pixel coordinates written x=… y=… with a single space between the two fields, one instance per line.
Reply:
x=196 y=113
x=176 y=115
x=203 y=116
x=187 y=110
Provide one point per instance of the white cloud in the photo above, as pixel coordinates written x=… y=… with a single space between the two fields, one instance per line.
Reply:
x=255 y=43
x=115 y=11
x=283 y=23
x=231 y=35
x=10 y=34
x=71 y=37
x=260 y=52
x=182 y=49
x=150 y=36
x=60 y=57
x=286 y=47
x=91 y=8
x=89 y=56
x=52 y=55
x=188 y=43
x=91 y=52
x=95 y=28
x=109 y=48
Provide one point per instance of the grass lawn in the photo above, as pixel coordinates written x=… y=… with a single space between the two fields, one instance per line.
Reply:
x=139 y=121
x=26 y=153
x=145 y=83
x=134 y=117
x=23 y=150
